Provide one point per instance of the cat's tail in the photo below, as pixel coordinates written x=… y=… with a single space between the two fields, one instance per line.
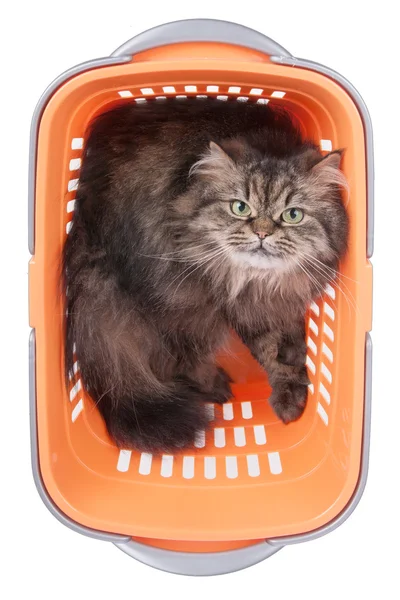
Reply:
x=158 y=423
x=114 y=344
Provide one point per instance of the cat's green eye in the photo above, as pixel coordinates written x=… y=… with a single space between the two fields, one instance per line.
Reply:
x=240 y=208
x=292 y=216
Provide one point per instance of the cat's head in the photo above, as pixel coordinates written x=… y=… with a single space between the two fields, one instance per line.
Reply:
x=268 y=213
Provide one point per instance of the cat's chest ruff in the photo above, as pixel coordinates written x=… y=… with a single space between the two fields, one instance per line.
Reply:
x=265 y=301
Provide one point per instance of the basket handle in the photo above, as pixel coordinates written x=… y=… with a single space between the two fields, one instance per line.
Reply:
x=199 y=563
x=201 y=30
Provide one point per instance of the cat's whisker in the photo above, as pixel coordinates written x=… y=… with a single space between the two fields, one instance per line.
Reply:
x=195 y=266
x=350 y=300
x=332 y=274
x=337 y=273
x=204 y=262
x=311 y=277
x=346 y=292
x=332 y=282
x=166 y=255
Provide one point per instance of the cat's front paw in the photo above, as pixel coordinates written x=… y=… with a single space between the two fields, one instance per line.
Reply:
x=293 y=352
x=221 y=387
x=289 y=401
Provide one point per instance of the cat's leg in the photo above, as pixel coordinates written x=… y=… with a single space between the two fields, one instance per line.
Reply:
x=292 y=347
x=145 y=408
x=283 y=356
x=165 y=421
x=212 y=380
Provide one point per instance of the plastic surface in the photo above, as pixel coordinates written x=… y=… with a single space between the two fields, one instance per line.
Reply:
x=200 y=563
x=201 y=30
x=55 y=511
x=92 y=64
x=240 y=485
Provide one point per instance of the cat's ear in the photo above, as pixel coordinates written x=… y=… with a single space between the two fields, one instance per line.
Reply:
x=212 y=162
x=217 y=152
x=327 y=170
x=331 y=160
x=231 y=151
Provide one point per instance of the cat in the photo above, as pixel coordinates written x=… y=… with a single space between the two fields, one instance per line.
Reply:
x=192 y=218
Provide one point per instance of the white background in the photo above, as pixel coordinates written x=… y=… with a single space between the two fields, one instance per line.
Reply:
x=42 y=558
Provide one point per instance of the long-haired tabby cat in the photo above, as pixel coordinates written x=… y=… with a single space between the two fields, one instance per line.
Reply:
x=192 y=218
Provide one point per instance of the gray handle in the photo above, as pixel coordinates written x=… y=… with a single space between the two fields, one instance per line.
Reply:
x=201 y=30
x=198 y=563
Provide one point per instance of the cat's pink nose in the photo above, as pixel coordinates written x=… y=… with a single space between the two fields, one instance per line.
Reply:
x=261 y=234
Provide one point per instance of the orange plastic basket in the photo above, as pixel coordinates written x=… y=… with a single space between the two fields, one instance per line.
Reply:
x=251 y=484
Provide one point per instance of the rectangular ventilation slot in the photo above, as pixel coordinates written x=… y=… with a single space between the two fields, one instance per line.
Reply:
x=312 y=345
x=68 y=227
x=330 y=291
x=188 y=467
x=77 y=411
x=213 y=88
x=326 y=372
x=124 y=460
x=327 y=351
x=328 y=332
x=200 y=440
x=77 y=144
x=311 y=365
x=223 y=98
x=253 y=466
x=313 y=326
x=329 y=311
x=145 y=463
x=147 y=91
x=227 y=411
x=73 y=185
x=75 y=369
x=256 y=92
x=325 y=393
x=169 y=89
x=70 y=206
x=275 y=465
x=326 y=145
x=210 y=411
x=140 y=100
x=167 y=465
x=231 y=467
x=219 y=437
x=190 y=88
x=260 y=435
x=247 y=411
x=315 y=308
x=242 y=99
x=234 y=89
x=311 y=388
x=77 y=388
x=161 y=98
x=125 y=94
x=240 y=436
x=322 y=413
x=263 y=101
x=278 y=94
x=181 y=97
x=201 y=96
x=75 y=164
x=210 y=467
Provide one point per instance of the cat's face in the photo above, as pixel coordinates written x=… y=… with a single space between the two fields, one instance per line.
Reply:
x=270 y=214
